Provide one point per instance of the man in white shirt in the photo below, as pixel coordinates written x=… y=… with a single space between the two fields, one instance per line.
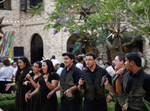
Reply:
x=109 y=69
x=59 y=71
x=54 y=60
x=80 y=63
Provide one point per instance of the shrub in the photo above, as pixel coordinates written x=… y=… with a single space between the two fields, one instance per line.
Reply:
x=8 y=105
x=7 y=96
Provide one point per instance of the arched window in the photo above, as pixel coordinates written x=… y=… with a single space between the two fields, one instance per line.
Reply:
x=36 y=48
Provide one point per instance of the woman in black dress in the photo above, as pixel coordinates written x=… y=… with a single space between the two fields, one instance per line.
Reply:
x=45 y=85
x=23 y=68
x=37 y=69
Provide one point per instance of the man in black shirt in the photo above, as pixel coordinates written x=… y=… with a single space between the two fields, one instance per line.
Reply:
x=135 y=84
x=119 y=98
x=70 y=96
x=94 y=93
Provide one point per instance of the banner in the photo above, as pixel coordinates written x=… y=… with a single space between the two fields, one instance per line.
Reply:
x=6 y=44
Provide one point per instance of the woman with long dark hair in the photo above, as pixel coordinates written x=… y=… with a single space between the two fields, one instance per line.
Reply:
x=45 y=85
x=23 y=68
x=37 y=71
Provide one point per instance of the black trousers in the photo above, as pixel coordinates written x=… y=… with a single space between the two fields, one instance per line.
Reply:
x=95 y=105
x=2 y=87
x=117 y=107
x=72 y=105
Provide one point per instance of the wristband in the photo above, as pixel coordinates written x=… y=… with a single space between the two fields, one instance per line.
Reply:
x=111 y=94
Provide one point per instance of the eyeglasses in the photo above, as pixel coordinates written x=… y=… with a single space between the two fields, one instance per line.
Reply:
x=35 y=66
x=88 y=60
x=116 y=60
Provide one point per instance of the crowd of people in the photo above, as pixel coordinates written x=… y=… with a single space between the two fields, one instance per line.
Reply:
x=37 y=85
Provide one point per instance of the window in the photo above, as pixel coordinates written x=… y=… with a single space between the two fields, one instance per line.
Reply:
x=35 y=2
x=24 y=4
x=6 y=5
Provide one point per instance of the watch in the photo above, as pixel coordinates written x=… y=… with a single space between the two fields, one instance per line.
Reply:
x=111 y=94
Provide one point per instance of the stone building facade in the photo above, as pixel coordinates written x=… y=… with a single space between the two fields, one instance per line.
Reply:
x=26 y=29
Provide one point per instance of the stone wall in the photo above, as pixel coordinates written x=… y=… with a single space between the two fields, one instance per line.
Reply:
x=25 y=28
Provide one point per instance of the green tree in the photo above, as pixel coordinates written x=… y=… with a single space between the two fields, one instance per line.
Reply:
x=96 y=19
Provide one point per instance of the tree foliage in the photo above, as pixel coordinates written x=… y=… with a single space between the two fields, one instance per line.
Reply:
x=69 y=16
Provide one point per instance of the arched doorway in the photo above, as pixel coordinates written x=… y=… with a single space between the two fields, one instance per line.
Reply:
x=71 y=44
x=82 y=44
x=36 y=48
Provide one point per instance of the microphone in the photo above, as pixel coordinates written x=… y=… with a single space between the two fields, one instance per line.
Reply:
x=104 y=79
x=30 y=72
x=116 y=77
x=82 y=80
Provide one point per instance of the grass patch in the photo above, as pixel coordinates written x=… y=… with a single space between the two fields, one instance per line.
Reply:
x=111 y=106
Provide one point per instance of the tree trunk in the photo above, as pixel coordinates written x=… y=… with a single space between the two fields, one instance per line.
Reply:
x=109 y=55
x=120 y=46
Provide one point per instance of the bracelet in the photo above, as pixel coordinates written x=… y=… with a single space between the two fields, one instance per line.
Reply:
x=111 y=94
